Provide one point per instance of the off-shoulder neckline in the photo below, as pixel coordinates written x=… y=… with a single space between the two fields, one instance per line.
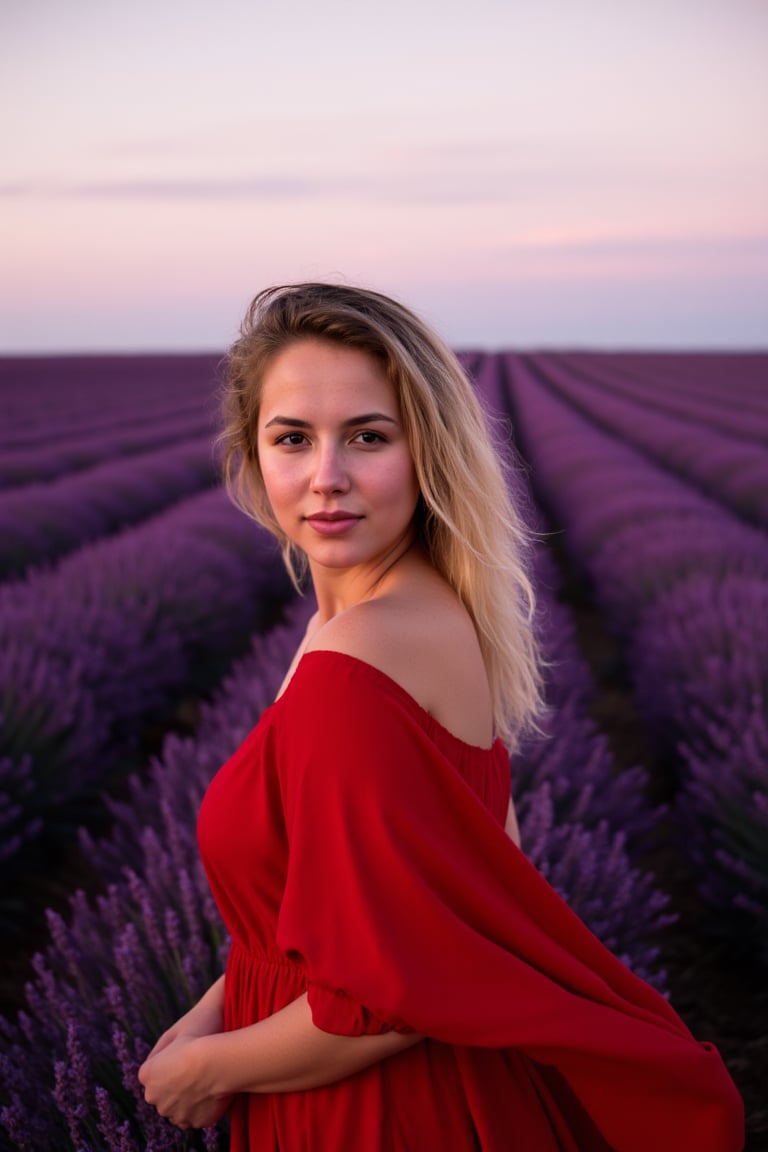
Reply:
x=426 y=719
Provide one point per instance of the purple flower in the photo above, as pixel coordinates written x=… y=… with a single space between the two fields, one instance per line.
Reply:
x=92 y=651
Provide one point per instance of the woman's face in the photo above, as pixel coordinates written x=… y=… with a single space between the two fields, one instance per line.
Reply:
x=333 y=454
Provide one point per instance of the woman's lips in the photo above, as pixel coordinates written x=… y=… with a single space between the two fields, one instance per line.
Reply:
x=333 y=523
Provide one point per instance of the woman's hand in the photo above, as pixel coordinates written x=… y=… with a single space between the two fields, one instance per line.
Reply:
x=203 y=1019
x=172 y=1072
x=173 y=1076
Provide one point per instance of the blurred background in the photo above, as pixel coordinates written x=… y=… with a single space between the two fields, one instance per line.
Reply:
x=554 y=174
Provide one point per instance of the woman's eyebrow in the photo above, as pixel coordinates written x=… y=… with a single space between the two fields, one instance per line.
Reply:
x=352 y=422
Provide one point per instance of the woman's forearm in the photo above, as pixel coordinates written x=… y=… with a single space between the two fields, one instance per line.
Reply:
x=288 y=1052
x=212 y=1002
x=205 y=1017
x=208 y=1011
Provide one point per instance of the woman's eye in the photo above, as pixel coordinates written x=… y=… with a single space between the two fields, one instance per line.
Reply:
x=292 y=439
x=368 y=437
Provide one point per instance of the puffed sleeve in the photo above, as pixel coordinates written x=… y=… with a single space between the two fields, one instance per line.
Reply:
x=410 y=908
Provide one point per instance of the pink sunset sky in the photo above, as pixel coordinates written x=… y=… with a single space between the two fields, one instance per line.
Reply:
x=552 y=173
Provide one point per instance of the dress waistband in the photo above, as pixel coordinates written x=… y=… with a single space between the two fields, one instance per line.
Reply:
x=272 y=957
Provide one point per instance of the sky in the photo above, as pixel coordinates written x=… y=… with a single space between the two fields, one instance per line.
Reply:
x=557 y=173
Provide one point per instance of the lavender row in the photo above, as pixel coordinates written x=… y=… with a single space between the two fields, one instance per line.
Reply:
x=638 y=529
x=700 y=666
x=130 y=962
x=732 y=471
x=61 y=395
x=573 y=803
x=59 y=457
x=591 y=792
x=685 y=584
x=93 y=650
x=40 y=522
x=703 y=373
x=484 y=372
x=566 y=779
x=584 y=781
x=726 y=401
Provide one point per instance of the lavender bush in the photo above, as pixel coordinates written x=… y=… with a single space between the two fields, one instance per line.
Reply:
x=581 y=824
x=249 y=686
x=700 y=650
x=730 y=468
x=723 y=811
x=726 y=392
x=488 y=383
x=700 y=660
x=40 y=522
x=572 y=757
x=95 y=394
x=643 y=562
x=93 y=650
x=17 y=827
x=32 y=464
x=685 y=583
x=584 y=784
x=582 y=821
x=616 y=505
x=590 y=868
x=130 y=962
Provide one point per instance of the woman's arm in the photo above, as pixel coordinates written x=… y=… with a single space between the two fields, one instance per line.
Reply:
x=203 y=1018
x=287 y=1052
x=190 y=1078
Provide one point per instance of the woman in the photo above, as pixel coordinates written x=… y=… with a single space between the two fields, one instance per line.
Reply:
x=400 y=976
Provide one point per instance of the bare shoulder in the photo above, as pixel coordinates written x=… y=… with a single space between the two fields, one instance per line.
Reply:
x=312 y=627
x=423 y=638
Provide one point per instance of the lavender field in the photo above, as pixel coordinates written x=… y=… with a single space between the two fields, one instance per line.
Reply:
x=144 y=624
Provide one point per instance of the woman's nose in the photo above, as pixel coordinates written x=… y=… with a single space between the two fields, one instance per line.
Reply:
x=329 y=474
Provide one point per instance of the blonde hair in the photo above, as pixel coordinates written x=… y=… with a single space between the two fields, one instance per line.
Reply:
x=469 y=525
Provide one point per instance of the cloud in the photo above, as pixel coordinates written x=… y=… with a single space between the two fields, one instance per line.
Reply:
x=248 y=188
x=406 y=185
x=374 y=163
x=619 y=247
x=397 y=188
x=407 y=182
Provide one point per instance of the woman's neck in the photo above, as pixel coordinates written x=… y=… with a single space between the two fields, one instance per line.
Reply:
x=338 y=590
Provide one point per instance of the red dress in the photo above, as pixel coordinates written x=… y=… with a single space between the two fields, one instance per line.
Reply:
x=356 y=851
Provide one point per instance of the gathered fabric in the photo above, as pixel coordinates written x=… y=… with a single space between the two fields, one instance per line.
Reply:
x=357 y=852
